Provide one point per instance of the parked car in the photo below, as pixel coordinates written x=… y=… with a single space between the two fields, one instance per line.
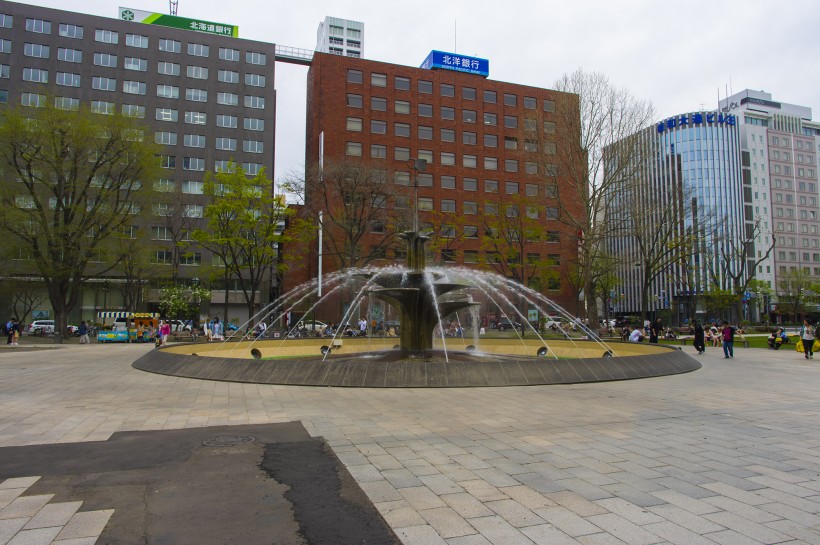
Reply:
x=554 y=323
x=40 y=327
x=311 y=325
x=73 y=330
x=506 y=323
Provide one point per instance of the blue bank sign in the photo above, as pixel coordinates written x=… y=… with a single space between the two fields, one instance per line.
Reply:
x=690 y=120
x=458 y=63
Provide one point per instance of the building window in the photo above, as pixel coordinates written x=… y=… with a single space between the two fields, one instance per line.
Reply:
x=5 y=70
x=192 y=187
x=104 y=84
x=510 y=122
x=105 y=59
x=135 y=40
x=469 y=207
x=353 y=149
x=133 y=87
x=227 y=99
x=228 y=54
x=255 y=80
x=425 y=87
x=549 y=106
x=354 y=124
x=166 y=138
x=448 y=158
x=226 y=121
x=193 y=210
x=253 y=146
x=425 y=204
x=553 y=236
x=490 y=119
x=550 y=148
x=401 y=178
x=196 y=95
x=490 y=97
x=468 y=93
x=469 y=161
x=133 y=63
x=425 y=133
x=427 y=155
x=38 y=25
x=447 y=90
x=511 y=188
x=195 y=118
x=227 y=76
x=255 y=102
x=168 y=68
x=491 y=163
x=511 y=165
x=378 y=127
x=71 y=31
x=424 y=179
x=199 y=50
x=164 y=185
x=171 y=46
x=377 y=151
x=32 y=99
x=355 y=76
x=36 y=50
x=5 y=46
x=402 y=84
x=67 y=103
x=448 y=135
x=193 y=163
x=106 y=36
x=529 y=103
x=490 y=186
x=167 y=91
x=448 y=182
x=167 y=161
x=102 y=107
x=226 y=144
x=470 y=184
x=448 y=113
x=378 y=80
x=67 y=79
x=491 y=140
x=194 y=141
x=402 y=129
x=379 y=104
x=531 y=167
x=133 y=110
x=253 y=124
x=252 y=57
x=401 y=107
x=197 y=72
x=510 y=142
x=354 y=101
x=425 y=110
x=69 y=55
x=510 y=100
x=468 y=116
x=448 y=205
x=401 y=154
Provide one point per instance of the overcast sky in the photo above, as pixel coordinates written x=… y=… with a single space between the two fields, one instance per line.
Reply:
x=675 y=54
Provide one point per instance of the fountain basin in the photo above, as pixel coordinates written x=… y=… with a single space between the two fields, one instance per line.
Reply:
x=374 y=363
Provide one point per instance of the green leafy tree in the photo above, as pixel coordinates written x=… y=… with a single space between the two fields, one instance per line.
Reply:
x=794 y=291
x=182 y=302
x=245 y=229
x=71 y=180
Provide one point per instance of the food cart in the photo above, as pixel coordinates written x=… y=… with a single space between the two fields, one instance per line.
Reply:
x=127 y=327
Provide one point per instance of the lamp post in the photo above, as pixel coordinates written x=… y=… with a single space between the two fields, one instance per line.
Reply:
x=196 y=300
x=419 y=165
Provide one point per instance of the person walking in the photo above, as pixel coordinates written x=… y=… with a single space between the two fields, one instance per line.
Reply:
x=10 y=331
x=807 y=336
x=83 y=331
x=655 y=331
x=699 y=341
x=728 y=335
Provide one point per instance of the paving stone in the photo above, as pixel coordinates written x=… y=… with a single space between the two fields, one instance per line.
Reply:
x=420 y=535
x=475 y=539
x=567 y=521
x=25 y=506
x=18 y=482
x=86 y=524
x=514 y=513
x=499 y=532
x=629 y=511
x=623 y=529
x=446 y=522
x=686 y=519
x=9 y=527
x=54 y=514
x=746 y=527
x=545 y=534
x=38 y=536
x=674 y=533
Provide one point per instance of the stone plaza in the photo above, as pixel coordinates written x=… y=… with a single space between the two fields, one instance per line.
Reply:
x=728 y=454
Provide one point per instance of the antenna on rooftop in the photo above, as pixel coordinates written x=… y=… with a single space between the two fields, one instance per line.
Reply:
x=174 y=4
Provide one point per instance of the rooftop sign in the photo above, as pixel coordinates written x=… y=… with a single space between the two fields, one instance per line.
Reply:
x=698 y=119
x=457 y=63
x=198 y=25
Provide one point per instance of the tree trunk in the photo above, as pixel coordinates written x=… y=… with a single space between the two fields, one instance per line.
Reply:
x=591 y=304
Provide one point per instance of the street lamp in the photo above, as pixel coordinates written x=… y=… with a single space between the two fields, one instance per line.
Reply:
x=419 y=165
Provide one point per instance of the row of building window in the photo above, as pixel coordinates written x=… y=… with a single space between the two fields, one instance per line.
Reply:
x=447 y=113
x=197 y=164
x=379 y=151
x=41 y=26
x=199 y=141
x=448 y=90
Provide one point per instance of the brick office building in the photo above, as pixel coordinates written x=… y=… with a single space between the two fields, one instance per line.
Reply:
x=486 y=143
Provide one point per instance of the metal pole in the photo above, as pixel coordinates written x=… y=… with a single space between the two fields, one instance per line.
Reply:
x=320 y=253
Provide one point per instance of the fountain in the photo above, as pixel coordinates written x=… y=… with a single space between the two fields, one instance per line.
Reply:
x=423 y=296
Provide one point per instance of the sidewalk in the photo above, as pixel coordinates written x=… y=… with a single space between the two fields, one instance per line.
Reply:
x=726 y=454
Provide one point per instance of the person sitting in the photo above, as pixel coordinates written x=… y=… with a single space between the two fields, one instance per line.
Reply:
x=784 y=339
x=636 y=336
x=774 y=341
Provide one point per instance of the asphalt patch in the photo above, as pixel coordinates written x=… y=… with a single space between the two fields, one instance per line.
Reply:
x=262 y=484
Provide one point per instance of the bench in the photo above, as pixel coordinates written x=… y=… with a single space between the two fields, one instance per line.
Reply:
x=185 y=336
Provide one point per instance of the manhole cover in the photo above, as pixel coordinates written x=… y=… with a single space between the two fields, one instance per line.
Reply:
x=229 y=440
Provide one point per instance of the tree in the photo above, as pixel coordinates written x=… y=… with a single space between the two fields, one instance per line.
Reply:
x=763 y=291
x=359 y=220
x=24 y=296
x=245 y=224
x=733 y=262
x=177 y=225
x=596 y=167
x=794 y=291
x=135 y=266
x=182 y=302
x=72 y=180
